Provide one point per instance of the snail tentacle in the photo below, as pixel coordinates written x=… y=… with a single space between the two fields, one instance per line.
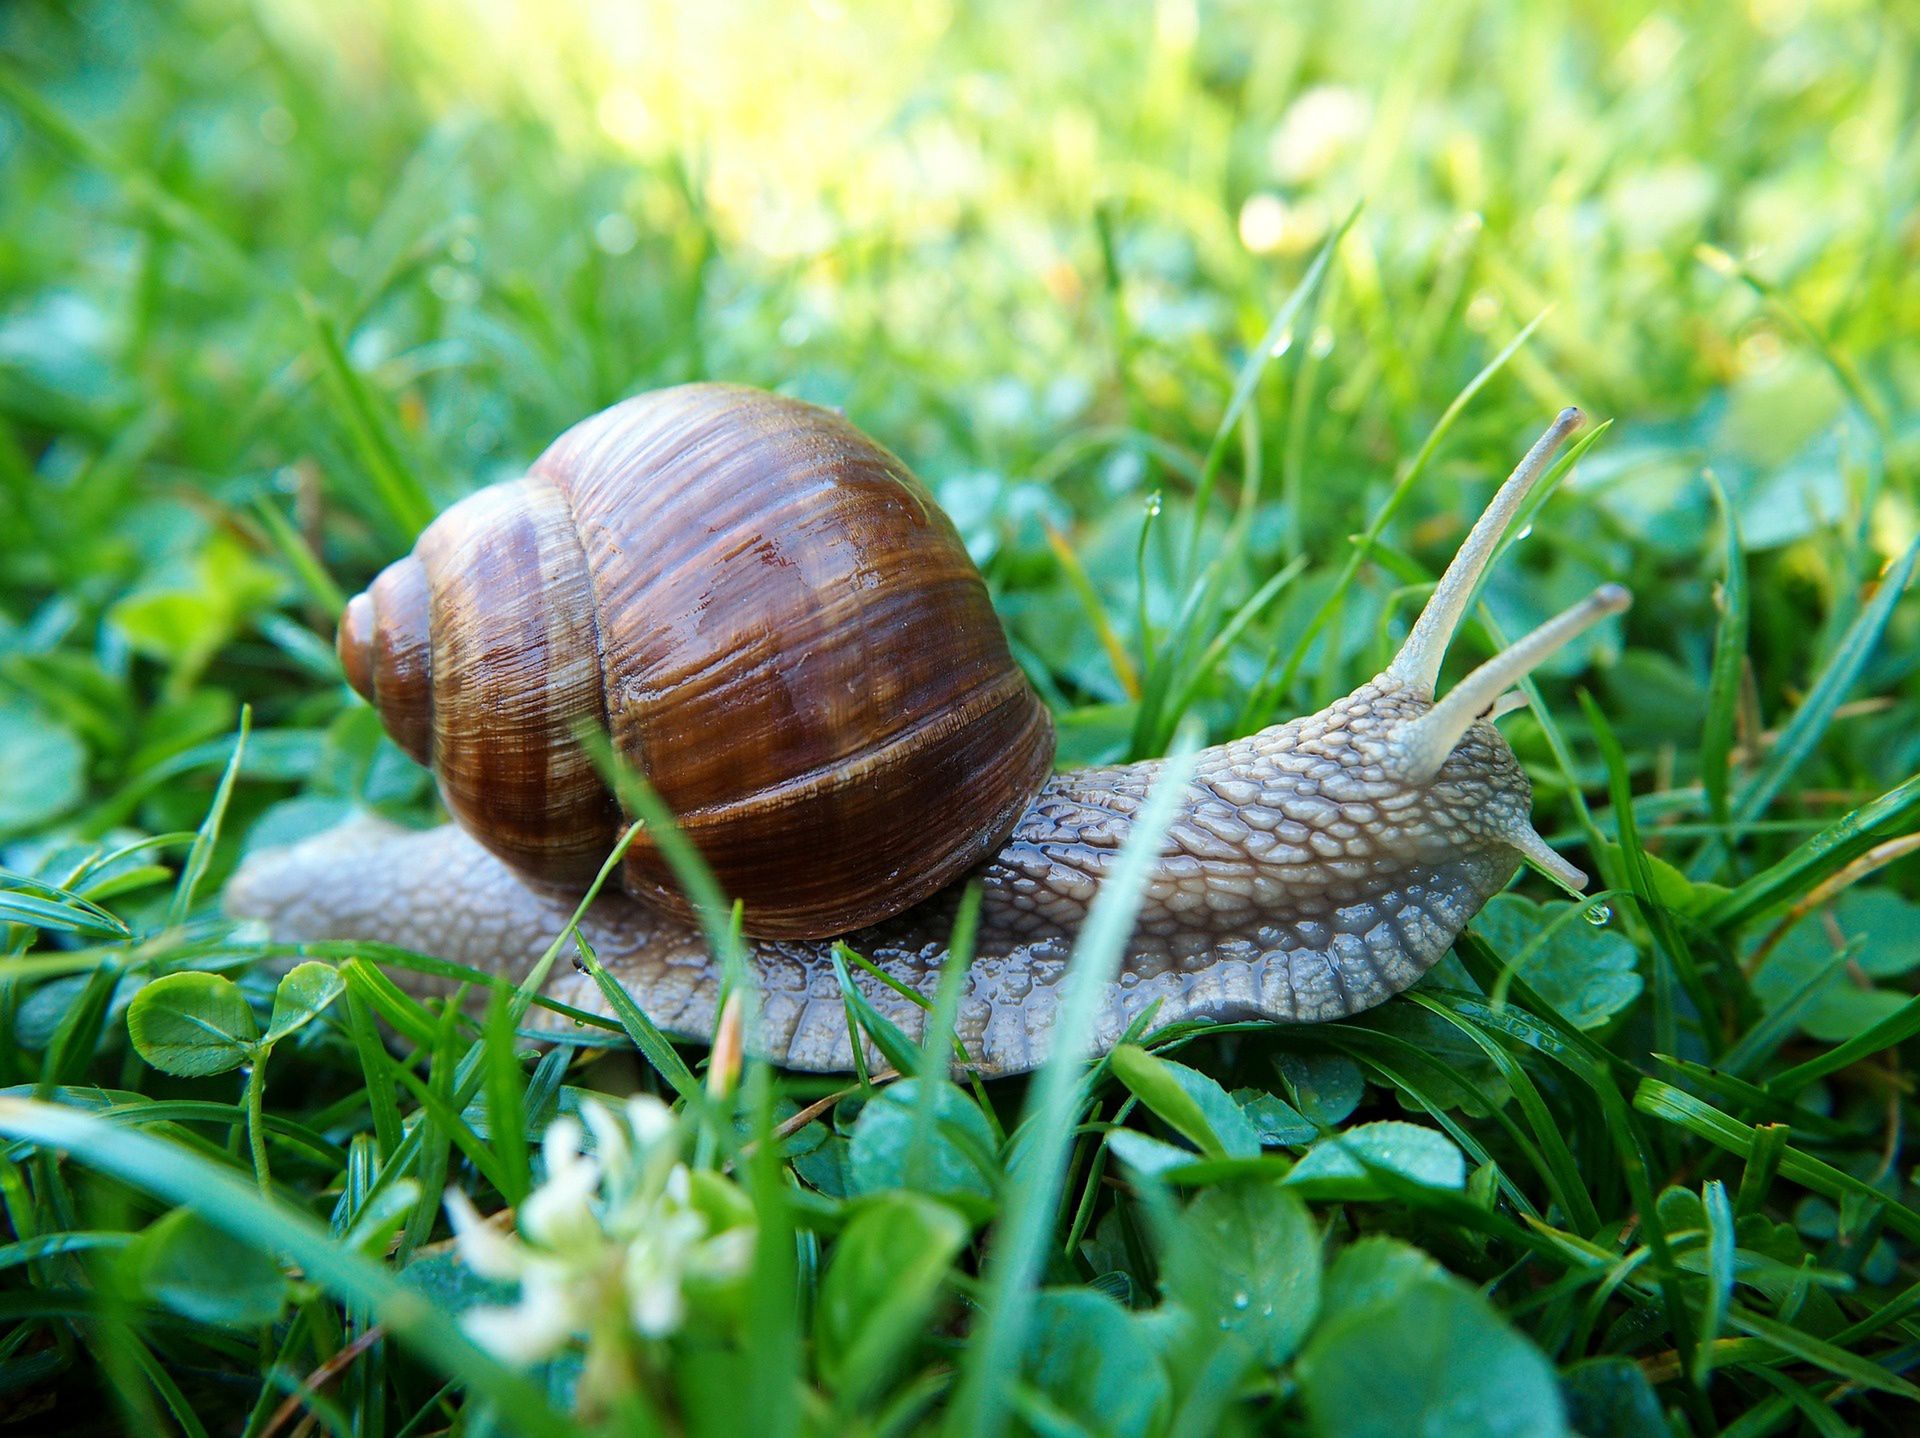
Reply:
x=1418 y=662
x=1422 y=745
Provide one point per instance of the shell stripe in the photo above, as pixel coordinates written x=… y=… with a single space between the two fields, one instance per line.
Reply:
x=516 y=671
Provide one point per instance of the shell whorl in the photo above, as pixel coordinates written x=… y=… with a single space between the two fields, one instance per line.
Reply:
x=480 y=651
x=385 y=651
x=773 y=623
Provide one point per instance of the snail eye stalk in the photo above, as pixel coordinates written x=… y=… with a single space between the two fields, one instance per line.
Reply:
x=1417 y=665
x=1418 y=748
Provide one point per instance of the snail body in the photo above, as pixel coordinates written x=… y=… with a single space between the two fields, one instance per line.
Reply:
x=1312 y=870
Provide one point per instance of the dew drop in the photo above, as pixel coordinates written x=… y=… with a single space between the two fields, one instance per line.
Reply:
x=1525 y=530
x=1153 y=505
x=1241 y=1299
x=1597 y=914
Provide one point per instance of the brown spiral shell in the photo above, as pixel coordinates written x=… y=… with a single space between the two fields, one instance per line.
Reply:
x=769 y=616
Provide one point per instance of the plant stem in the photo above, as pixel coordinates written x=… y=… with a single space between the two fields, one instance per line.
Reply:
x=256 y=1120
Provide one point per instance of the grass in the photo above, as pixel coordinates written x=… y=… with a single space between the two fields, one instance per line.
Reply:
x=1212 y=325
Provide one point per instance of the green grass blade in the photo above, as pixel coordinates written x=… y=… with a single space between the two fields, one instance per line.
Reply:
x=1796 y=1343
x=138 y=185
x=201 y=854
x=1272 y=344
x=1720 y=1272
x=1671 y=1105
x=506 y=1103
x=1815 y=714
x=1729 y=660
x=690 y=871
x=1402 y=487
x=306 y=565
x=642 y=1030
x=1557 y=1164
x=1896 y=1028
x=1671 y=943
x=403 y=500
x=1826 y=853
x=150 y=1165
x=1020 y=1243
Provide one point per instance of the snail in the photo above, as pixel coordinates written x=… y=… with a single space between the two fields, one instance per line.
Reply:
x=772 y=621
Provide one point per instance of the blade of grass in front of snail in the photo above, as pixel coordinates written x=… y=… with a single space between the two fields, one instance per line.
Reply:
x=657 y=1048
x=719 y=921
x=938 y=1036
x=1017 y=1254
x=506 y=1090
x=703 y=891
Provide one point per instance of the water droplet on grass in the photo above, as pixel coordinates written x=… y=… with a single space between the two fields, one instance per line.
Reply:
x=1597 y=914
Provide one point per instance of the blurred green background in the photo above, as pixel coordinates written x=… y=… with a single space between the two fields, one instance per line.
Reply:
x=277 y=281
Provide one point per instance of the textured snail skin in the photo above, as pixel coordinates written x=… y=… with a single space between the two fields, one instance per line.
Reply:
x=1301 y=880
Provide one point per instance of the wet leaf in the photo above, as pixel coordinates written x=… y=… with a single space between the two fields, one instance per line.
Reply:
x=1588 y=973
x=1189 y=1102
x=1412 y=1353
x=952 y=1156
x=303 y=995
x=192 y=1025
x=880 y=1289
x=1325 y=1088
x=1245 y=1259
x=1338 y=1166
x=1091 y=1359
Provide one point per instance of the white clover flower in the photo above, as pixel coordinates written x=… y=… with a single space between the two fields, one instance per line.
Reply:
x=559 y=1214
x=612 y=1234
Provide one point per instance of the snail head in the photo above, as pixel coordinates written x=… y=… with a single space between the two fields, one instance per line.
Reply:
x=1420 y=776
